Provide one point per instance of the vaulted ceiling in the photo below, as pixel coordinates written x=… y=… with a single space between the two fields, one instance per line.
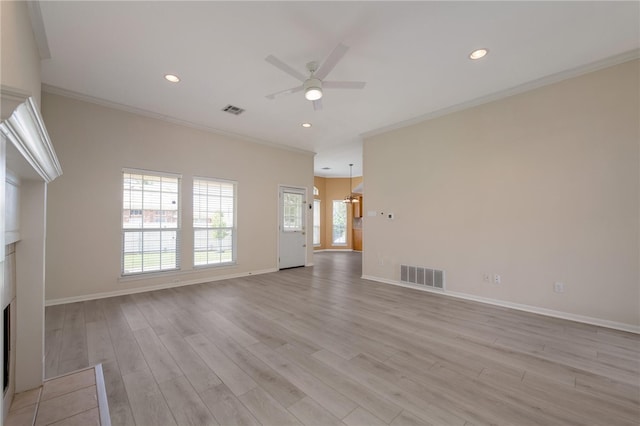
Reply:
x=412 y=55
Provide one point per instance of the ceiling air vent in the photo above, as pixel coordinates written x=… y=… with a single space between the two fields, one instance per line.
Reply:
x=233 y=109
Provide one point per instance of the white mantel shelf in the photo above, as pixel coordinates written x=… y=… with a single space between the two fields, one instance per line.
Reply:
x=26 y=130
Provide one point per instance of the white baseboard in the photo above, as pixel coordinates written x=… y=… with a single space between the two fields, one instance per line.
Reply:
x=520 y=307
x=321 y=250
x=124 y=292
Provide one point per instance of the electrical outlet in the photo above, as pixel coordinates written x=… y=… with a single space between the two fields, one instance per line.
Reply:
x=558 y=287
x=497 y=279
x=486 y=278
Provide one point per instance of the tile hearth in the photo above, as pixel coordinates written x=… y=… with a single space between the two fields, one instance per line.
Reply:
x=76 y=398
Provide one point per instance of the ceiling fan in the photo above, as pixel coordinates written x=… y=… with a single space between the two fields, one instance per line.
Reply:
x=313 y=84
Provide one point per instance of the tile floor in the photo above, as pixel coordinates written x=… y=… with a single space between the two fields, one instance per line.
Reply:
x=68 y=400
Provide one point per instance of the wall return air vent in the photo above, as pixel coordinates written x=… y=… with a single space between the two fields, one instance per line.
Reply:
x=233 y=109
x=431 y=278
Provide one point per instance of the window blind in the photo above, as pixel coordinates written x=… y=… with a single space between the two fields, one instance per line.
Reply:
x=150 y=222
x=214 y=222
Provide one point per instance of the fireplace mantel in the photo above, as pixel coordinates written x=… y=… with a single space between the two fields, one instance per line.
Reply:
x=25 y=129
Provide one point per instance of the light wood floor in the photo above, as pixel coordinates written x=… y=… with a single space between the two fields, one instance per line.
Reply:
x=320 y=346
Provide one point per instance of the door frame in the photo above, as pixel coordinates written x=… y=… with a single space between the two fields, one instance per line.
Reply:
x=306 y=221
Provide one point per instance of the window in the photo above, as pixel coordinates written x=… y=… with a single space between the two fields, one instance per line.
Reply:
x=316 y=191
x=316 y=222
x=339 y=223
x=293 y=205
x=150 y=222
x=214 y=222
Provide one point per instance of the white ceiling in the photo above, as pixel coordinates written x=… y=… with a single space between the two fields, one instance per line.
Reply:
x=413 y=56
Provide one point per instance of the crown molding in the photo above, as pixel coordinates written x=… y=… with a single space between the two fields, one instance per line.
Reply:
x=526 y=87
x=54 y=90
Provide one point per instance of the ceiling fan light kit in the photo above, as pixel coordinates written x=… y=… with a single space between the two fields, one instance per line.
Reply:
x=312 y=89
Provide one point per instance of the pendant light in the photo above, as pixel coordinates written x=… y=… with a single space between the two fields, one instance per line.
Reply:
x=350 y=198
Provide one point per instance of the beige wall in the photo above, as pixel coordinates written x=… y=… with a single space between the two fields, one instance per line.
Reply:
x=334 y=189
x=539 y=187
x=20 y=67
x=95 y=143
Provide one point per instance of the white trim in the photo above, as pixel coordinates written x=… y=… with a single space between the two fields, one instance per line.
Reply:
x=11 y=177
x=150 y=114
x=214 y=179
x=134 y=171
x=531 y=85
x=13 y=236
x=305 y=191
x=321 y=250
x=103 y=403
x=518 y=306
x=26 y=130
x=125 y=292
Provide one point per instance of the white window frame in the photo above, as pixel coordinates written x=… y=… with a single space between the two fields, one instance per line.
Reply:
x=317 y=211
x=198 y=227
x=144 y=230
x=346 y=223
x=294 y=210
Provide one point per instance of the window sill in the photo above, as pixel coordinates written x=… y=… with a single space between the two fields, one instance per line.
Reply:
x=149 y=275
x=172 y=273
x=214 y=266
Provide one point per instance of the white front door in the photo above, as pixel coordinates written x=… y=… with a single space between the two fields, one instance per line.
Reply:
x=293 y=239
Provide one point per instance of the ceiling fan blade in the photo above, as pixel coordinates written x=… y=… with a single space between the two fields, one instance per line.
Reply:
x=343 y=84
x=284 y=67
x=272 y=96
x=317 y=105
x=331 y=61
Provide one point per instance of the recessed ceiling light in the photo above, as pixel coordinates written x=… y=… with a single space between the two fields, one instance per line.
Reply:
x=478 y=53
x=172 y=78
x=306 y=125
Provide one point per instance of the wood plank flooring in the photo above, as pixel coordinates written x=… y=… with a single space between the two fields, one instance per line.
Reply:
x=320 y=346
